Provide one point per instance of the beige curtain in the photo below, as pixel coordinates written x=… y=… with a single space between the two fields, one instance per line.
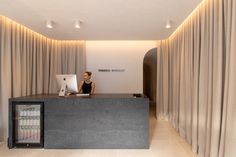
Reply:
x=201 y=79
x=162 y=79
x=228 y=127
x=29 y=63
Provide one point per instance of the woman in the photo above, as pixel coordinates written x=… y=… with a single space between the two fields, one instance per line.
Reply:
x=87 y=86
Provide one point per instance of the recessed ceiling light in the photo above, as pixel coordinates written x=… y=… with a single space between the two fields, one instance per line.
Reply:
x=49 y=24
x=77 y=24
x=168 y=24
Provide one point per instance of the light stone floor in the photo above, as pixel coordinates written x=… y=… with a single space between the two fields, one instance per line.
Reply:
x=164 y=142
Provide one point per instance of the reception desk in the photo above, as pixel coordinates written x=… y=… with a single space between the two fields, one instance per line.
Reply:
x=100 y=121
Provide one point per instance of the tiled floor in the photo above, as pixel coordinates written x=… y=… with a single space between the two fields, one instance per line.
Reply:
x=164 y=142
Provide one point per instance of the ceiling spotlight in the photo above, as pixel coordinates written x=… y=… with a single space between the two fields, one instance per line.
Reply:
x=77 y=24
x=49 y=24
x=168 y=24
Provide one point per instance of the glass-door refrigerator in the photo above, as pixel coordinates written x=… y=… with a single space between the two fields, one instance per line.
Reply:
x=25 y=125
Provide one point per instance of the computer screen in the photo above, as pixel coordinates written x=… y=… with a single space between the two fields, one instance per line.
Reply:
x=67 y=83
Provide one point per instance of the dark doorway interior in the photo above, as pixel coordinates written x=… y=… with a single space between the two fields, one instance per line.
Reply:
x=150 y=77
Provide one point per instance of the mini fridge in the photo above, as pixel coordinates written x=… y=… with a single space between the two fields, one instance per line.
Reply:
x=25 y=125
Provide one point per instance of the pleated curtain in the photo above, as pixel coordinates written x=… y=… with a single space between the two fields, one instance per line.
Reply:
x=197 y=87
x=29 y=63
x=162 y=79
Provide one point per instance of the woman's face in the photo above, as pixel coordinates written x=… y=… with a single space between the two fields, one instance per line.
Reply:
x=86 y=77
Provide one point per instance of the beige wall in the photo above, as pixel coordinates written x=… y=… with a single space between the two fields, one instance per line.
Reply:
x=117 y=54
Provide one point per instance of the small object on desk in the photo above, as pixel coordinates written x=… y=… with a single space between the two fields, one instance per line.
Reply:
x=137 y=95
x=82 y=94
x=74 y=93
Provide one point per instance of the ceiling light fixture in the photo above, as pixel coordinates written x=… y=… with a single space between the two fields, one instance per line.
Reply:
x=49 y=24
x=77 y=24
x=168 y=24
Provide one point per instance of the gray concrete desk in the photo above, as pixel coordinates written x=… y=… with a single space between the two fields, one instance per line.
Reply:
x=100 y=121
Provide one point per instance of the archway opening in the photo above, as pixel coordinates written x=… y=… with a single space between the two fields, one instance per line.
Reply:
x=150 y=78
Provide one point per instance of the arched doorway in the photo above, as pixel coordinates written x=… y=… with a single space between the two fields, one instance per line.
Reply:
x=150 y=77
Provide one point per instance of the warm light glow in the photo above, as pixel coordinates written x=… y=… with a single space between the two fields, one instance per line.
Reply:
x=78 y=23
x=192 y=15
x=10 y=23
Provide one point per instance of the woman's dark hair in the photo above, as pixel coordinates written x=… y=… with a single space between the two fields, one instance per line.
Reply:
x=88 y=72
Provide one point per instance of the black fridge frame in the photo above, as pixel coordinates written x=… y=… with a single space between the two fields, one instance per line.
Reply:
x=11 y=136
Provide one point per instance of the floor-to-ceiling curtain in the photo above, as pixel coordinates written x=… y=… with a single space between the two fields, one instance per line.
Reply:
x=228 y=126
x=201 y=85
x=29 y=63
x=162 y=79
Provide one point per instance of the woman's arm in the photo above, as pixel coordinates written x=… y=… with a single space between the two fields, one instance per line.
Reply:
x=80 y=86
x=93 y=88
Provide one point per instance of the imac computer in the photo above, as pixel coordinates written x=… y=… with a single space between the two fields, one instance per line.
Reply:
x=67 y=83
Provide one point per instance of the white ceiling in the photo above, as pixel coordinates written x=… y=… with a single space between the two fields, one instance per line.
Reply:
x=101 y=19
